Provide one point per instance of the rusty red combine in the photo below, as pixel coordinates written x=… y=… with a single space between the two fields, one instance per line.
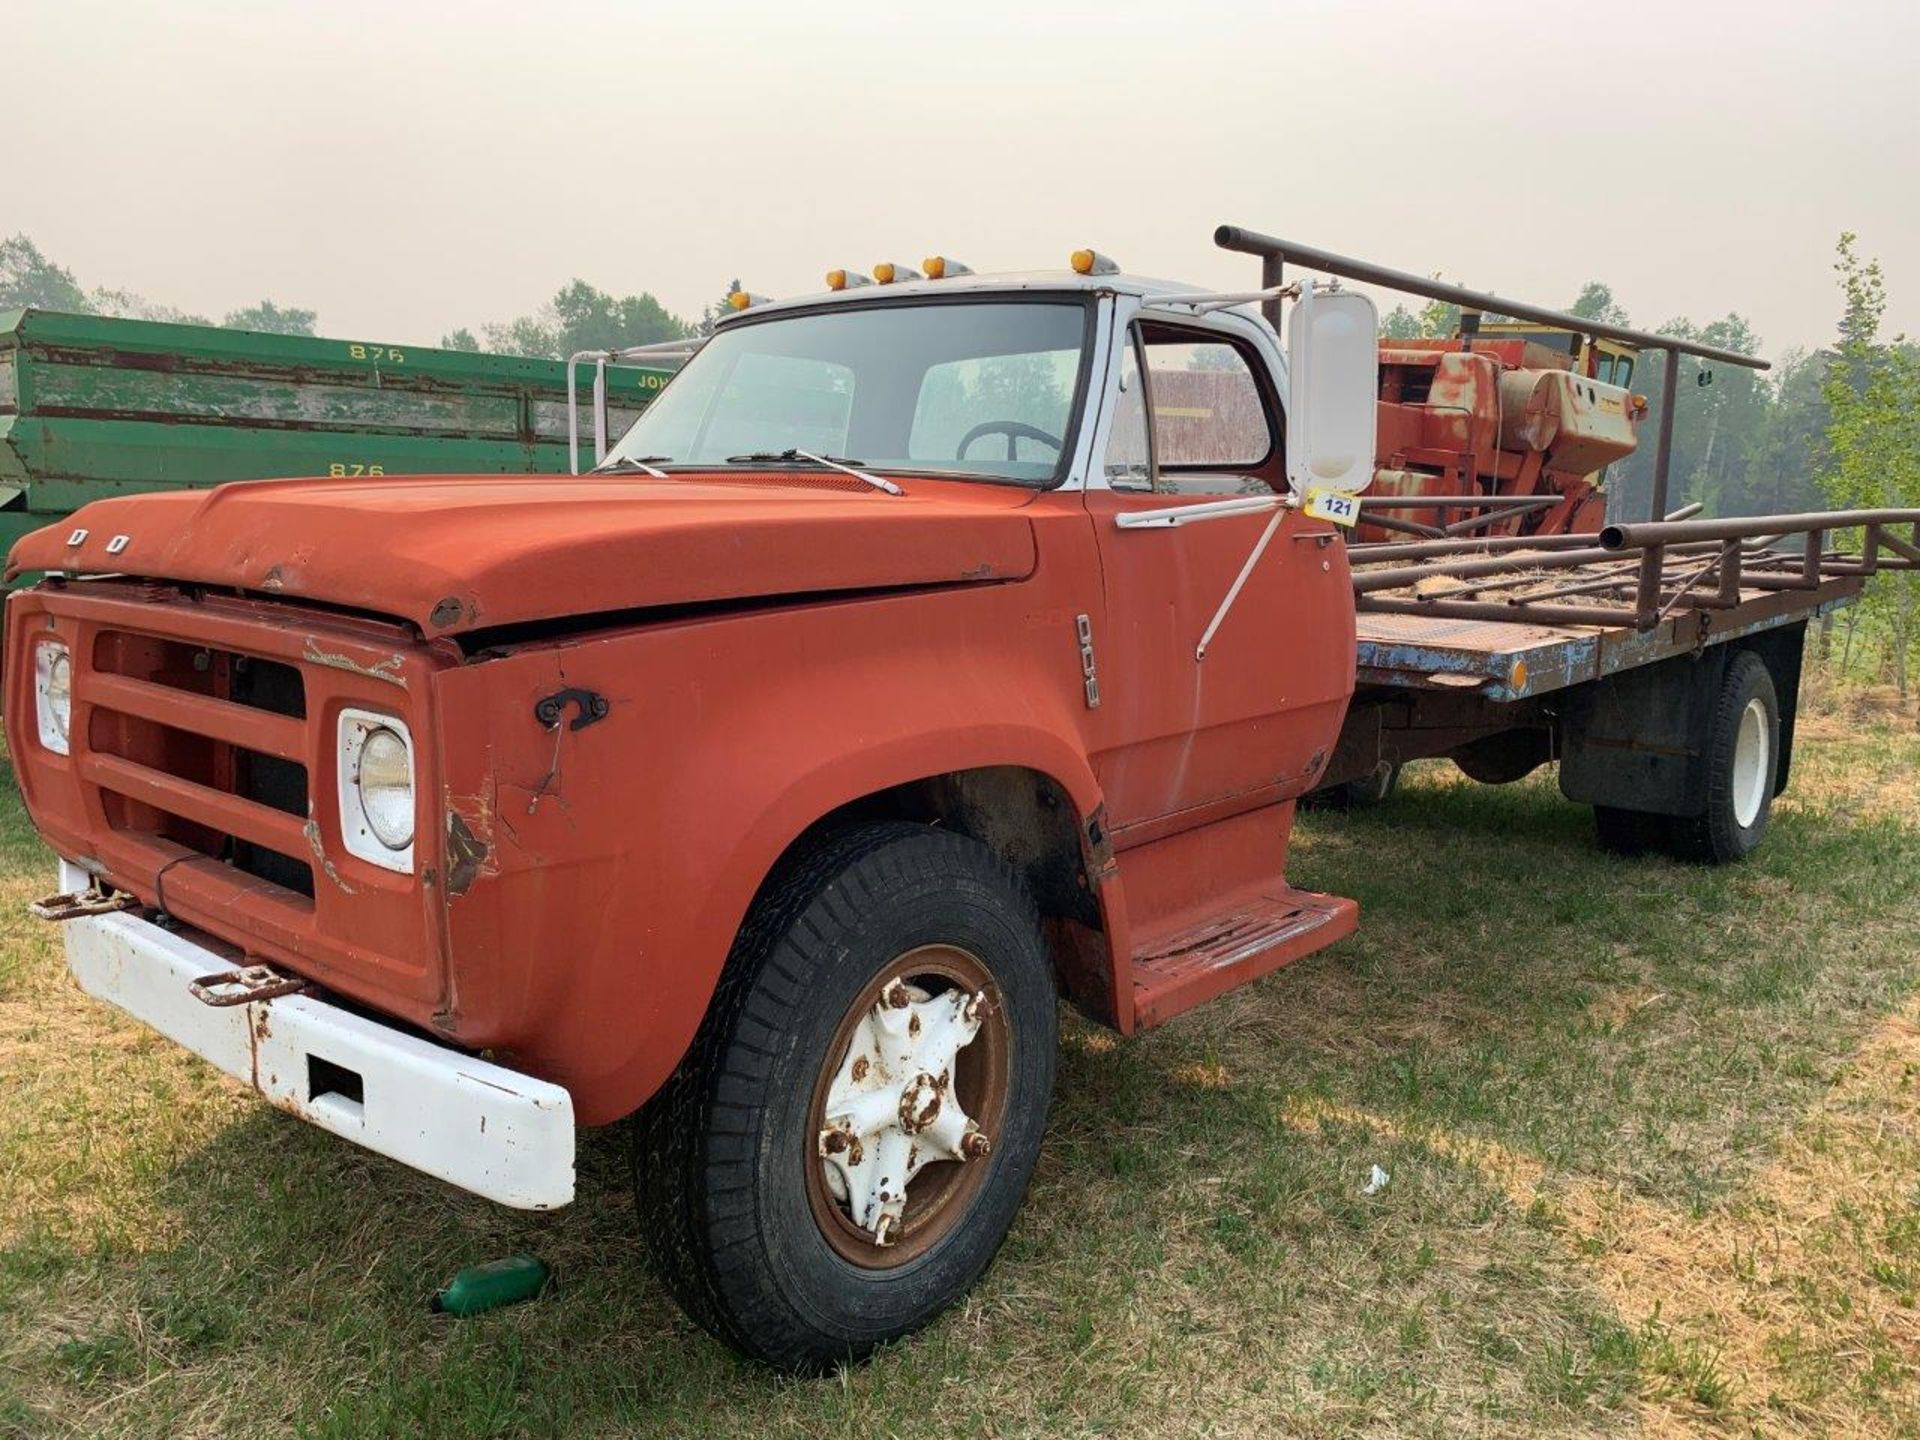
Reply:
x=1495 y=417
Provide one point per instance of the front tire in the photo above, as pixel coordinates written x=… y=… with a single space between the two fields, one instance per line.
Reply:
x=887 y=958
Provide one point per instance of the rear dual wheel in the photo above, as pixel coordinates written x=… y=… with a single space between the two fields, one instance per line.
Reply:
x=847 y=1143
x=1742 y=760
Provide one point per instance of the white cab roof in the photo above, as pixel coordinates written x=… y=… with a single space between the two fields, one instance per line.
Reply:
x=1003 y=282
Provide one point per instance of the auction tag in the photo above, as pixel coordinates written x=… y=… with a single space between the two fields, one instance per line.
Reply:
x=1335 y=505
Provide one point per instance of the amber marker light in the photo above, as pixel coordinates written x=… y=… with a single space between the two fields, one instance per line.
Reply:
x=939 y=267
x=1092 y=262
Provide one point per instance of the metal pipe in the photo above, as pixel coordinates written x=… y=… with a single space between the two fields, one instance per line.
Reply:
x=1378 y=551
x=1393 y=577
x=1455 y=502
x=1909 y=553
x=1374 y=551
x=1618 y=577
x=1406 y=527
x=1269 y=249
x=1731 y=548
x=1491 y=610
x=1742 y=527
x=1272 y=277
x=1652 y=562
x=600 y=410
x=1495 y=517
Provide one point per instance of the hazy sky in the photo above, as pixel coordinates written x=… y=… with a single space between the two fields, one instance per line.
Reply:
x=412 y=166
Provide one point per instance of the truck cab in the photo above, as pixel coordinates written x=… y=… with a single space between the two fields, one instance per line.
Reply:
x=927 y=652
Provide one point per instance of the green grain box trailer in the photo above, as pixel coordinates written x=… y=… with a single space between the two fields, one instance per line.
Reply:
x=92 y=406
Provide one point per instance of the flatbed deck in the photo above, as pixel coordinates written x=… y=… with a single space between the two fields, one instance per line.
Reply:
x=1510 y=660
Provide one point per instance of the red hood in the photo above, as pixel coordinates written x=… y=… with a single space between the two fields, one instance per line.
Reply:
x=460 y=552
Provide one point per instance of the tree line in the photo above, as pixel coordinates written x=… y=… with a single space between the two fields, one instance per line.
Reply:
x=28 y=279
x=578 y=317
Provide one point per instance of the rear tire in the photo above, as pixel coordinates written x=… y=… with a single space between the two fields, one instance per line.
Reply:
x=1743 y=766
x=1362 y=793
x=740 y=1207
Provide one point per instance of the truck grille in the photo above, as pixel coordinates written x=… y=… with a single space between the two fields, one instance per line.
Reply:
x=200 y=773
x=203 y=747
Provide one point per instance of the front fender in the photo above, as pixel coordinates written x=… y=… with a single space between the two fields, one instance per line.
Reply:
x=609 y=868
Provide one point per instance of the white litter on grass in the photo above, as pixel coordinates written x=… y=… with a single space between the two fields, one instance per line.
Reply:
x=1376 y=1182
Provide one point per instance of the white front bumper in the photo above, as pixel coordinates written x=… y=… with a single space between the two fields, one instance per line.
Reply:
x=480 y=1126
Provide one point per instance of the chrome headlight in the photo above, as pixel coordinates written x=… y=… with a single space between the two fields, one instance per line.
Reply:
x=376 y=788
x=53 y=693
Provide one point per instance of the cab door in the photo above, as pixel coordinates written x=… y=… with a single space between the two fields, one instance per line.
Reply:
x=1197 y=420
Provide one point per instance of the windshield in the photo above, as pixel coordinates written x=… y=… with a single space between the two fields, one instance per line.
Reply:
x=984 y=389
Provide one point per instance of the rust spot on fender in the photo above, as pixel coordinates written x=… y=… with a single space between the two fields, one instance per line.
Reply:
x=312 y=831
x=467 y=854
x=1101 y=864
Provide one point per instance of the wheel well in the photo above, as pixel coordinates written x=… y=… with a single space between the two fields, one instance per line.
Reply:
x=1026 y=818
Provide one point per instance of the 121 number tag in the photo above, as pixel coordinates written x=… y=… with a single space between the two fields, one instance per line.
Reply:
x=1335 y=505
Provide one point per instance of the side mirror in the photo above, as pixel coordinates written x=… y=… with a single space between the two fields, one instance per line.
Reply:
x=1333 y=390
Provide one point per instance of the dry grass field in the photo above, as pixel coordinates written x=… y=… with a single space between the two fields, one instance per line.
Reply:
x=1653 y=1133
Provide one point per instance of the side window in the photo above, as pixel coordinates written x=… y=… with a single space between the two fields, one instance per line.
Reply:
x=1206 y=421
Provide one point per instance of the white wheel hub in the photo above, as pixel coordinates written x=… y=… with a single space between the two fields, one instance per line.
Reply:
x=892 y=1108
x=1752 y=763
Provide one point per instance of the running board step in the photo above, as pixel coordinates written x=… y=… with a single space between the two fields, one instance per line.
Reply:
x=1272 y=929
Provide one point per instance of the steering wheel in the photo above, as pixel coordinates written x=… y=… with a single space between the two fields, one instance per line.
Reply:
x=1013 y=429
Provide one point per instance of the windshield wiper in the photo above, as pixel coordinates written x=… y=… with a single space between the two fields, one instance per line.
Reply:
x=848 y=467
x=633 y=462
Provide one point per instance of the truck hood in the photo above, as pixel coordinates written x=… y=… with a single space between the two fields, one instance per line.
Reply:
x=452 y=553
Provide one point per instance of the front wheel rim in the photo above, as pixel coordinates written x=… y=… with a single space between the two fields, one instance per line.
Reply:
x=1752 y=752
x=915 y=1079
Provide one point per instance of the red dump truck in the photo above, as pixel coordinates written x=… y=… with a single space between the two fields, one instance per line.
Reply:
x=929 y=651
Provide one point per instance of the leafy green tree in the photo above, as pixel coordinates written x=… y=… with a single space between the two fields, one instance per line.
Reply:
x=1872 y=393
x=1716 y=424
x=1434 y=320
x=1788 y=453
x=1596 y=302
x=712 y=314
x=28 y=278
x=580 y=317
x=461 y=339
x=128 y=306
x=272 y=319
